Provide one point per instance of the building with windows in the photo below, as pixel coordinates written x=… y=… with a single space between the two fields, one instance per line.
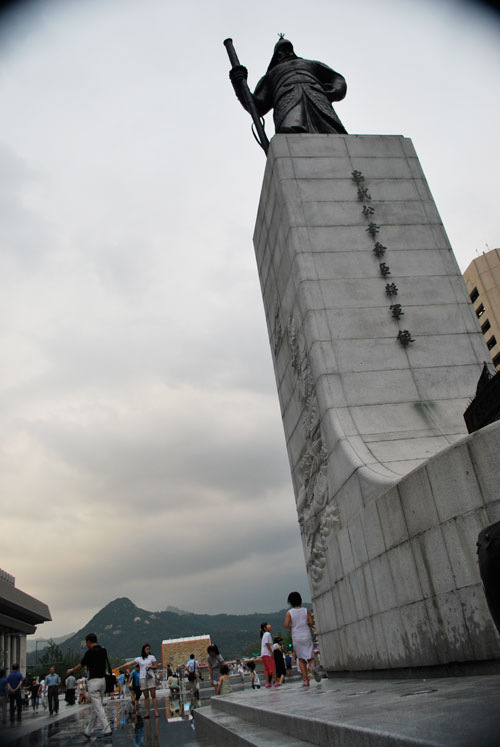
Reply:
x=482 y=278
x=19 y=615
x=176 y=651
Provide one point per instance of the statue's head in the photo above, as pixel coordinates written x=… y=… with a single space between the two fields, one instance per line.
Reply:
x=283 y=51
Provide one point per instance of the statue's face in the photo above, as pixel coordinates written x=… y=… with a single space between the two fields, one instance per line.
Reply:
x=285 y=53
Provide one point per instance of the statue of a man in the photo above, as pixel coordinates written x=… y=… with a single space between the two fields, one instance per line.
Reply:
x=300 y=92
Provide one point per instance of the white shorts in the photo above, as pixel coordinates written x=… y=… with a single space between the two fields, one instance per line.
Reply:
x=148 y=683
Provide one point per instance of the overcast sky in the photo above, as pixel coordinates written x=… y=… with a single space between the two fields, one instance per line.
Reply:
x=141 y=445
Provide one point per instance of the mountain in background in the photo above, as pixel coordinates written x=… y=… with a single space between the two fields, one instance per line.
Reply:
x=123 y=629
x=33 y=644
x=177 y=611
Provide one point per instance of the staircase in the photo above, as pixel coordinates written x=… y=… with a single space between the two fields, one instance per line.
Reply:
x=223 y=720
x=207 y=691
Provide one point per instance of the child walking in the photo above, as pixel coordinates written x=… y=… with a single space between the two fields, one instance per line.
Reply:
x=299 y=621
x=224 y=684
x=241 y=672
x=279 y=661
x=266 y=652
x=254 y=677
x=214 y=663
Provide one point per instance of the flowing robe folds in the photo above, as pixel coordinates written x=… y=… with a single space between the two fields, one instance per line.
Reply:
x=301 y=92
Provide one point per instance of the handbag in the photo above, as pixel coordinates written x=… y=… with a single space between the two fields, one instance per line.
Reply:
x=110 y=679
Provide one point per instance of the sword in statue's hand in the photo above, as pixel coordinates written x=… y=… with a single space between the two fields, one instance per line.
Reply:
x=238 y=75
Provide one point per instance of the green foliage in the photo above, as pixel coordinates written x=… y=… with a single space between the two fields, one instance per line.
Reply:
x=116 y=661
x=287 y=641
x=249 y=652
x=52 y=655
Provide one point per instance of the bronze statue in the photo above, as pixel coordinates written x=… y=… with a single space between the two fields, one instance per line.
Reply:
x=488 y=551
x=300 y=92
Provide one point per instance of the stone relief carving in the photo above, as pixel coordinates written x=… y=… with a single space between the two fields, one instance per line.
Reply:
x=316 y=514
x=277 y=331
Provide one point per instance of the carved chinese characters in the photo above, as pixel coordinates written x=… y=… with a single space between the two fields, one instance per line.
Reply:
x=379 y=250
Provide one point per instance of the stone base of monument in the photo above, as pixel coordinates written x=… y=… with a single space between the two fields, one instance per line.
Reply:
x=377 y=353
x=426 y=605
x=462 y=712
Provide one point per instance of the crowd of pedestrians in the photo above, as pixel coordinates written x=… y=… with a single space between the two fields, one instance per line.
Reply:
x=141 y=679
x=39 y=694
x=276 y=663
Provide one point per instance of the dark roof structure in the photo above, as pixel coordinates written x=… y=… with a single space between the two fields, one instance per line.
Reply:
x=20 y=611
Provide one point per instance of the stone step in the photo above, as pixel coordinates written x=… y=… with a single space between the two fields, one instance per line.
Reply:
x=249 y=715
x=227 y=730
x=207 y=691
x=303 y=714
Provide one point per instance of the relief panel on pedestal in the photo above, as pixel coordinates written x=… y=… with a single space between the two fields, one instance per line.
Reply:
x=317 y=513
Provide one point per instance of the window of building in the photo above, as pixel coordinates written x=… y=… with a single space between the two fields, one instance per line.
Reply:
x=474 y=295
x=480 y=311
x=485 y=327
x=496 y=360
x=491 y=342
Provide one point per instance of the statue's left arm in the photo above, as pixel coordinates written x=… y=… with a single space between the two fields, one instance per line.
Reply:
x=334 y=84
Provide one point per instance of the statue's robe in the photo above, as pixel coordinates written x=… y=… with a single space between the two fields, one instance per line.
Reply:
x=300 y=92
x=488 y=551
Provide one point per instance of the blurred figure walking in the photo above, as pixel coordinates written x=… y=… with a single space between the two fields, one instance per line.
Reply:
x=95 y=660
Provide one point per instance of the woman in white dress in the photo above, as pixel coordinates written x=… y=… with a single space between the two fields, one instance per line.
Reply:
x=299 y=621
x=148 y=664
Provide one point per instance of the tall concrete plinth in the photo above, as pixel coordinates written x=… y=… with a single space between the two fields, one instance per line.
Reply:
x=377 y=353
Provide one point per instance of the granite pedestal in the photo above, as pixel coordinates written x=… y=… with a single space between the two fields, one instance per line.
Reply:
x=377 y=353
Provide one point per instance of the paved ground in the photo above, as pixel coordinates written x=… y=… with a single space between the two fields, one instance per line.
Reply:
x=65 y=729
x=447 y=712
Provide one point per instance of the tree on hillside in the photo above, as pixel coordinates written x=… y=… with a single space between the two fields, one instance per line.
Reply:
x=287 y=642
x=250 y=651
x=53 y=656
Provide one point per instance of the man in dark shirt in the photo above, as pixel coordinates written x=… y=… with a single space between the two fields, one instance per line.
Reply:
x=95 y=660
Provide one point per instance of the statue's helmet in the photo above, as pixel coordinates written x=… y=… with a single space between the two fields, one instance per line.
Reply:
x=283 y=49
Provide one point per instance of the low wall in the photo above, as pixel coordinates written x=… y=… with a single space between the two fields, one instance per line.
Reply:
x=403 y=574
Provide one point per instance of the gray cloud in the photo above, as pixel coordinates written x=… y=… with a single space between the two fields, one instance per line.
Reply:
x=137 y=396
x=25 y=236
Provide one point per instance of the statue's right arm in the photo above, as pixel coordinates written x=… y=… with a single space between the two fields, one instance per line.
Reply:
x=238 y=76
x=261 y=96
